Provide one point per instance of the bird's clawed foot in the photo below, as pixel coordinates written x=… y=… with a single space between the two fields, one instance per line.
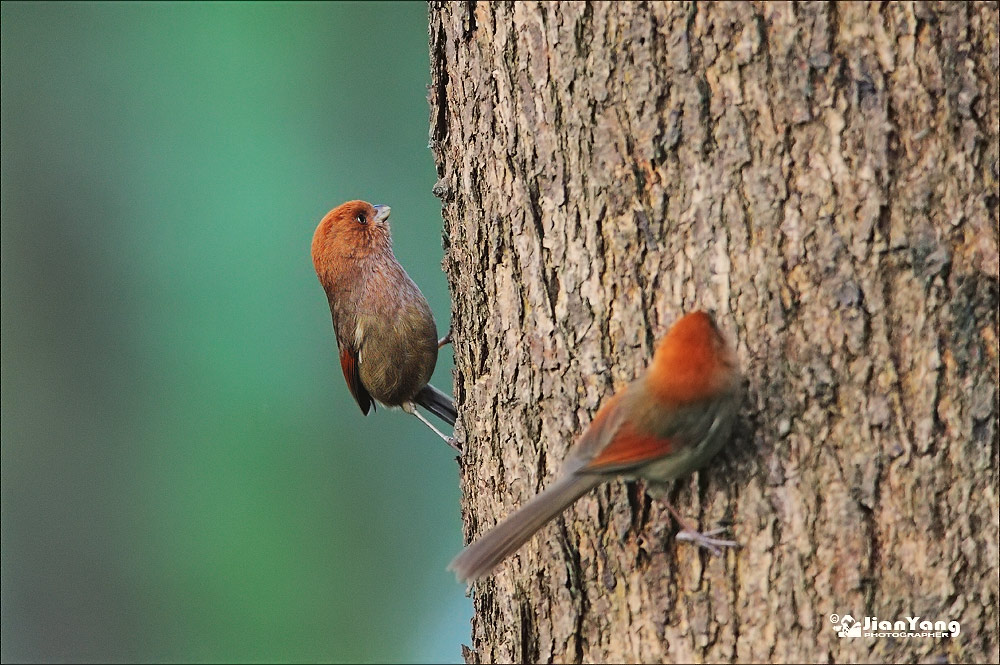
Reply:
x=706 y=540
x=410 y=407
x=445 y=340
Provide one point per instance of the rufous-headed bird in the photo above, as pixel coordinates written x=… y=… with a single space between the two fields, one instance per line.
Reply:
x=664 y=425
x=385 y=331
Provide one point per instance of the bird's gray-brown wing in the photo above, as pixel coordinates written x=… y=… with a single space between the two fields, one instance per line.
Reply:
x=349 y=365
x=664 y=445
x=349 y=339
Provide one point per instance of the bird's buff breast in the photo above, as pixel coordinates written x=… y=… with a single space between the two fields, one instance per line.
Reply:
x=396 y=361
x=396 y=338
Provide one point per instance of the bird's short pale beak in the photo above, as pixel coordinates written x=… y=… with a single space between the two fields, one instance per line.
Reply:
x=382 y=213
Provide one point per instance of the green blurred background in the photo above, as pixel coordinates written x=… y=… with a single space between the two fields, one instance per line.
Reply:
x=185 y=476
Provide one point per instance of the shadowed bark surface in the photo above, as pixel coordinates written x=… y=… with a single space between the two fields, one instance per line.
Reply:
x=823 y=176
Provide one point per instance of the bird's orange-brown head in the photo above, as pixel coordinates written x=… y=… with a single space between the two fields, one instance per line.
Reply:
x=692 y=363
x=351 y=231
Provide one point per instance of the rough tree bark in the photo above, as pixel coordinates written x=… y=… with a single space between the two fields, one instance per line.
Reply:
x=824 y=176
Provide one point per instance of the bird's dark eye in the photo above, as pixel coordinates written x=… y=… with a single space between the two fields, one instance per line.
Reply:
x=362 y=218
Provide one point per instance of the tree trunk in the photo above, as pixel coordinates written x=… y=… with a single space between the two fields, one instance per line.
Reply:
x=823 y=176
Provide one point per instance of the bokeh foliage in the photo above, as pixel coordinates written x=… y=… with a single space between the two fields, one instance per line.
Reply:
x=185 y=476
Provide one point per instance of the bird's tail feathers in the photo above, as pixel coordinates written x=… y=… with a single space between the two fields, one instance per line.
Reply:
x=485 y=554
x=438 y=403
